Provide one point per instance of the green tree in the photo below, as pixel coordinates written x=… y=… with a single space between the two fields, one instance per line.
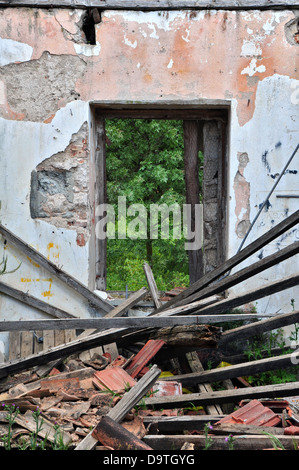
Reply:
x=145 y=164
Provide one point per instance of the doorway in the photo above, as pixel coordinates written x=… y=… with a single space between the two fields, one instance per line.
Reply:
x=151 y=157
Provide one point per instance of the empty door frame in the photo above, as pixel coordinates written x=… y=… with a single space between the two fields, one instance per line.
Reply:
x=209 y=134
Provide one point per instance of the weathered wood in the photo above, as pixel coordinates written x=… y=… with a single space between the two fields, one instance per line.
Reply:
x=212 y=276
x=128 y=401
x=244 y=274
x=197 y=336
x=227 y=396
x=193 y=191
x=69 y=280
x=237 y=429
x=145 y=5
x=242 y=299
x=100 y=200
x=152 y=284
x=237 y=370
x=259 y=327
x=179 y=424
x=252 y=442
x=75 y=346
x=122 y=322
x=196 y=366
x=33 y=302
x=47 y=430
x=128 y=303
x=114 y=435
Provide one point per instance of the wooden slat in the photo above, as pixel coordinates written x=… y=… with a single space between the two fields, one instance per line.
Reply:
x=52 y=268
x=128 y=303
x=247 y=331
x=26 y=343
x=244 y=274
x=212 y=276
x=242 y=299
x=252 y=442
x=227 y=396
x=14 y=345
x=237 y=370
x=124 y=322
x=32 y=301
x=152 y=285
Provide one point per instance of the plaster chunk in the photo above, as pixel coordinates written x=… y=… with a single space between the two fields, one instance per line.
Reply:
x=47 y=83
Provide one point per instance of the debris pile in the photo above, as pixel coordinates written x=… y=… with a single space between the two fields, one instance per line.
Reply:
x=168 y=379
x=92 y=401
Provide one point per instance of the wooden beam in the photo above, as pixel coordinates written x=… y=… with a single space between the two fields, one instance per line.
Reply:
x=120 y=322
x=247 y=331
x=146 y=5
x=69 y=280
x=100 y=200
x=252 y=442
x=237 y=370
x=179 y=424
x=244 y=274
x=193 y=191
x=250 y=296
x=33 y=302
x=212 y=276
x=227 y=396
x=113 y=435
x=128 y=303
x=152 y=285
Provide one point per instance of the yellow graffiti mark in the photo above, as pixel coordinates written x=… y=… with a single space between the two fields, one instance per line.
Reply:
x=27 y=279
x=47 y=293
x=53 y=254
x=32 y=262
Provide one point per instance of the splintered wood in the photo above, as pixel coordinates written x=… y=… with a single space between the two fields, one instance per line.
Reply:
x=158 y=381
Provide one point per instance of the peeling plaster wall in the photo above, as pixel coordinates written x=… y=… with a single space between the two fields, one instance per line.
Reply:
x=48 y=77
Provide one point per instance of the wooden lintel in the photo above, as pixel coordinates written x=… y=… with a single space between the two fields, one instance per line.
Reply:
x=146 y=5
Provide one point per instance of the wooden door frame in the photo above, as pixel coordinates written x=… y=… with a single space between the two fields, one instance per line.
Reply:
x=181 y=112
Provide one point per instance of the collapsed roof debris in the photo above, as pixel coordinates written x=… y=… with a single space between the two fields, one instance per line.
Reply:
x=143 y=382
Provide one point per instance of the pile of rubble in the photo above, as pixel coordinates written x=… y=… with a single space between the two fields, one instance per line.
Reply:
x=124 y=403
x=156 y=390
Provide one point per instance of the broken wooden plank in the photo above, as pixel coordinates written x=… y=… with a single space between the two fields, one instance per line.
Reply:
x=236 y=301
x=52 y=268
x=47 y=430
x=113 y=435
x=196 y=336
x=237 y=370
x=152 y=284
x=128 y=303
x=244 y=442
x=33 y=302
x=212 y=276
x=105 y=323
x=238 y=429
x=227 y=396
x=196 y=366
x=247 y=331
x=244 y=273
x=128 y=401
x=178 y=424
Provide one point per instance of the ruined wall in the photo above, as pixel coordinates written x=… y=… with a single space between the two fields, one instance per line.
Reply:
x=49 y=75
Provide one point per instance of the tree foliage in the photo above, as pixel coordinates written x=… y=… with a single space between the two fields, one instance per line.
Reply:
x=145 y=164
